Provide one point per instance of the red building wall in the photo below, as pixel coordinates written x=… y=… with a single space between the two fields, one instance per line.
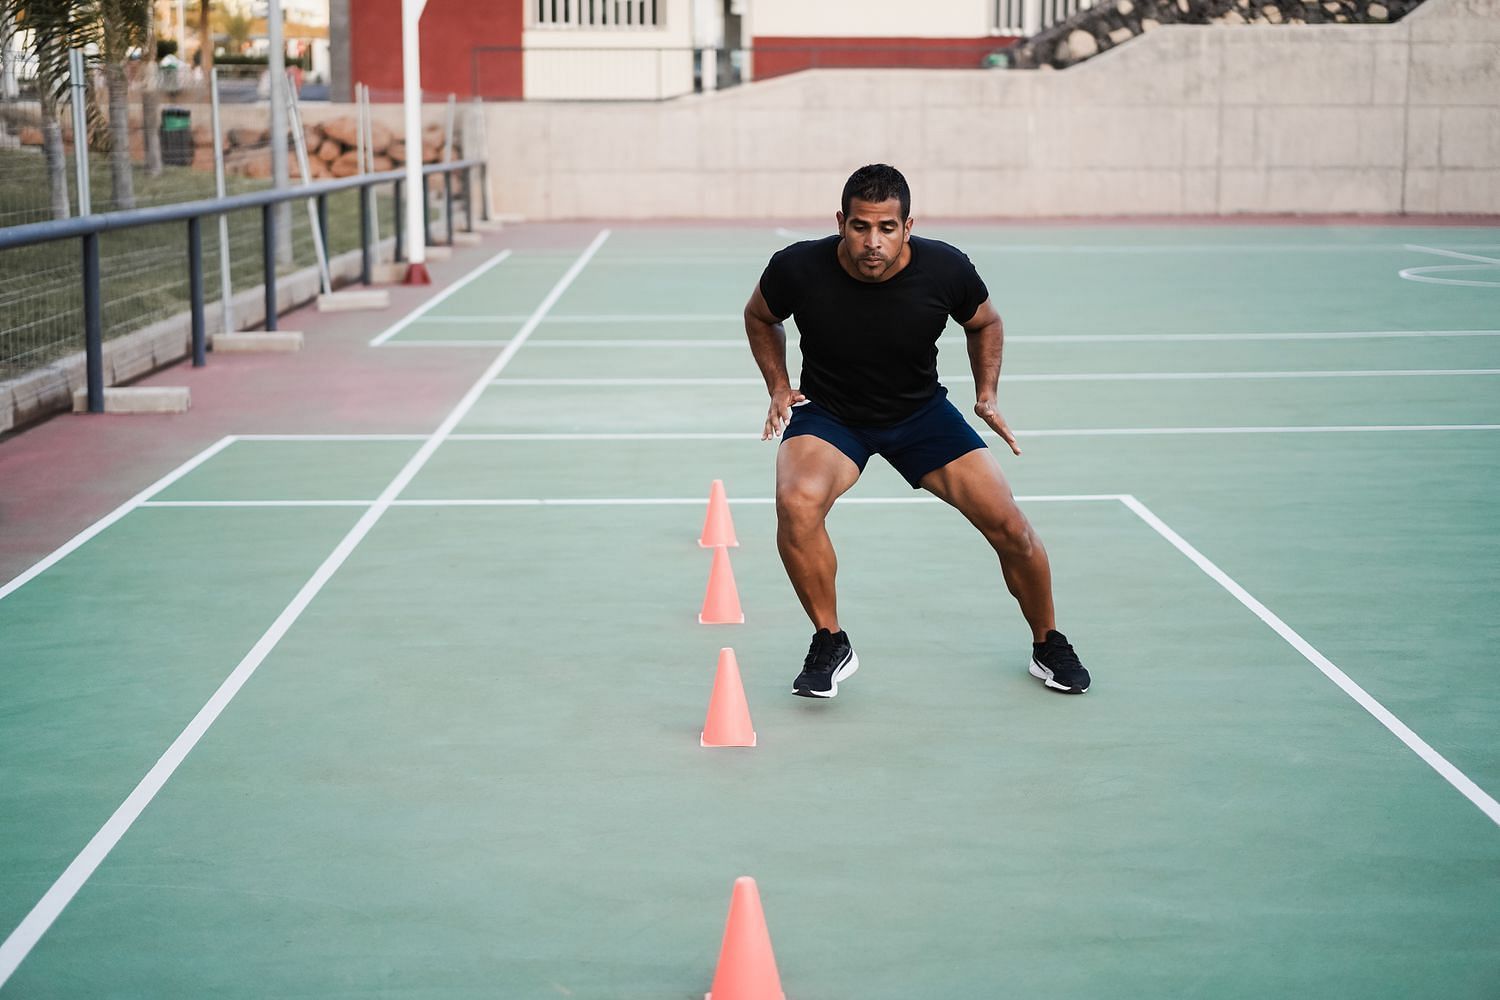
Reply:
x=779 y=55
x=452 y=30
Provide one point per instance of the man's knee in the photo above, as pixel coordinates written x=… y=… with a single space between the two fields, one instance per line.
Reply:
x=801 y=504
x=1011 y=535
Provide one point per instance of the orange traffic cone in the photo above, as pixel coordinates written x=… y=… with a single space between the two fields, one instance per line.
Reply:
x=718 y=527
x=721 y=603
x=728 y=722
x=747 y=968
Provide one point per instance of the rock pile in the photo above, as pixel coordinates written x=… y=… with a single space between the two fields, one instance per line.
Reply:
x=332 y=149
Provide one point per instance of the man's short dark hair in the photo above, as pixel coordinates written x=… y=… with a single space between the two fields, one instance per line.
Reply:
x=877 y=182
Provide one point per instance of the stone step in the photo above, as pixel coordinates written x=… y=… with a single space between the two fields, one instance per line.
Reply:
x=350 y=300
x=250 y=341
x=137 y=399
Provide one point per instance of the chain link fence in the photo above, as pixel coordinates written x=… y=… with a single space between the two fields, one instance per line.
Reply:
x=164 y=154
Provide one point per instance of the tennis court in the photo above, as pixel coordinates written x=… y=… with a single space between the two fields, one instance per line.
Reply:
x=417 y=714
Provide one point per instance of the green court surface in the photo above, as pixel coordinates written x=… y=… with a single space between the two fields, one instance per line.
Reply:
x=417 y=715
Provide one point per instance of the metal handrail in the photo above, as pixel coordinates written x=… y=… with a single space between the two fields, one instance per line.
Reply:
x=88 y=227
x=32 y=233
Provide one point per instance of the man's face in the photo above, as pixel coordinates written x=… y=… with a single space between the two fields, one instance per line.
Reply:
x=873 y=234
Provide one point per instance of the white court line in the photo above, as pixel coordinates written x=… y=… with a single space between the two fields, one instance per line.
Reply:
x=50 y=560
x=1034 y=432
x=18 y=945
x=1040 y=432
x=1155 y=248
x=445 y=343
x=258 y=503
x=1426 y=274
x=592 y=501
x=1040 y=377
x=1452 y=253
x=1363 y=698
x=330 y=437
x=597 y=318
x=738 y=343
x=405 y=321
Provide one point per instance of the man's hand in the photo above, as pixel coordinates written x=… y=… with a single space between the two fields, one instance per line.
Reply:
x=985 y=410
x=780 y=413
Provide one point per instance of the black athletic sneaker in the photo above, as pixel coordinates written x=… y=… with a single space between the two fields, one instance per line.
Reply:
x=830 y=659
x=1057 y=666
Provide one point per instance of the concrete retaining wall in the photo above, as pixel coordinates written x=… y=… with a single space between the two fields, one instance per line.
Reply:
x=1183 y=120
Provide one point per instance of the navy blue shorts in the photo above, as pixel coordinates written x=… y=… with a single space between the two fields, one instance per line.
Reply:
x=928 y=439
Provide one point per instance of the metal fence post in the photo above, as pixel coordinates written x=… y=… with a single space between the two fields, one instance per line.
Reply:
x=364 y=235
x=448 y=202
x=93 y=326
x=323 y=223
x=400 y=224
x=468 y=199
x=268 y=259
x=426 y=215
x=195 y=289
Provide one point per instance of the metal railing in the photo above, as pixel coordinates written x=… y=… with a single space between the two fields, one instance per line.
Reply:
x=87 y=230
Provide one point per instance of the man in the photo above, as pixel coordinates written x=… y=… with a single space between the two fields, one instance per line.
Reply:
x=870 y=304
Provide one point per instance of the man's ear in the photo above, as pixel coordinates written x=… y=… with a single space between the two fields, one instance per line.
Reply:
x=838 y=218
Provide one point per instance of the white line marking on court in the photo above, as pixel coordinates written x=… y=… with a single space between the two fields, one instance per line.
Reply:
x=956 y=338
x=1452 y=253
x=598 y=318
x=257 y=503
x=598 y=501
x=405 y=321
x=1166 y=338
x=1364 y=699
x=1426 y=274
x=1156 y=248
x=330 y=437
x=50 y=560
x=445 y=343
x=1040 y=377
x=1040 y=432
x=1310 y=429
x=20 y=941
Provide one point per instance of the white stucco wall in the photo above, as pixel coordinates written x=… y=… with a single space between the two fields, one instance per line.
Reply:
x=1185 y=120
x=869 y=18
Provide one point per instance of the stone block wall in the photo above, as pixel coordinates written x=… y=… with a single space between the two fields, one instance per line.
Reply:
x=1183 y=120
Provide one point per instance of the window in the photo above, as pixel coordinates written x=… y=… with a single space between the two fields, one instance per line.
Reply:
x=599 y=13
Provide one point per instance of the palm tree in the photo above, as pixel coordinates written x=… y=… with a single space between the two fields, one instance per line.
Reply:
x=121 y=27
x=205 y=39
x=56 y=27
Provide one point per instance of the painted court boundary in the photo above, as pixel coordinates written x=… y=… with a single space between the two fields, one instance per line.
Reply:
x=19 y=943
x=425 y=307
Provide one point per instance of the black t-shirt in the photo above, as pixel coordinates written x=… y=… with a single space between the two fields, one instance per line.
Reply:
x=869 y=349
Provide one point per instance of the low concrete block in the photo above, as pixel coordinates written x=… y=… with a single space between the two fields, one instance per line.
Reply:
x=388 y=274
x=257 y=341
x=137 y=399
x=488 y=225
x=439 y=253
x=467 y=239
x=348 y=301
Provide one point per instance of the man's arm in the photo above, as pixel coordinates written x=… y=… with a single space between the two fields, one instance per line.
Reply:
x=986 y=341
x=768 y=343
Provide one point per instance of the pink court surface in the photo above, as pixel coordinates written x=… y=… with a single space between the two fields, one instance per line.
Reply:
x=379 y=671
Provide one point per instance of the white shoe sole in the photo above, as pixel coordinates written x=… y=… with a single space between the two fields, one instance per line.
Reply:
x=847 y=670
x=1044 y=675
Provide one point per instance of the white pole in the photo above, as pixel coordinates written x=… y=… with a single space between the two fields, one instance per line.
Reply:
x=299 y=139
x=367 y=129
x=276 y=64
x=80 y=129
x=411 y=99
x=226 y=285
x=182 y=31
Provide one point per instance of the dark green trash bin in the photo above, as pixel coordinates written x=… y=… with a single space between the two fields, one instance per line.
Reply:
x=176 y=136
